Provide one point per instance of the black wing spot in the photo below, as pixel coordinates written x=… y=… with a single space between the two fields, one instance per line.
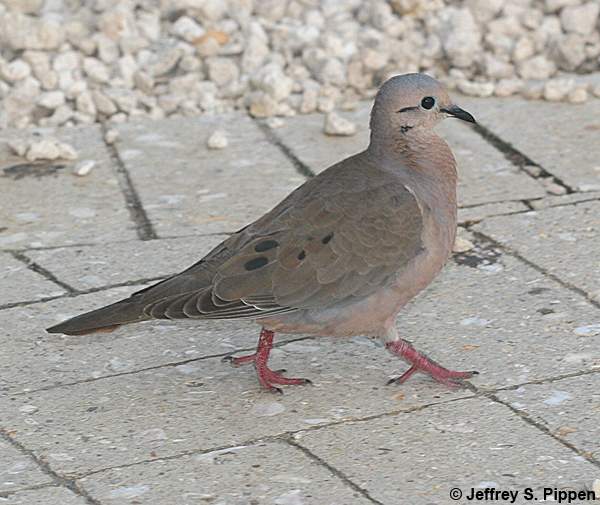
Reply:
x=302 y=255
x=255 y=263
x=266 y=245
x=327 y=238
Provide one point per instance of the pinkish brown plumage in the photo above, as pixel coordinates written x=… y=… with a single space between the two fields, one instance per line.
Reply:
x=341 y=255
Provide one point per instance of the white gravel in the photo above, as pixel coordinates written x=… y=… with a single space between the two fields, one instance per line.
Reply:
x=43 y=149
x=66 y=62
x=218 y=140
x=337 y=125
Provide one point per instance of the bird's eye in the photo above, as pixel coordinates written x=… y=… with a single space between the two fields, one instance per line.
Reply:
x=428 y=102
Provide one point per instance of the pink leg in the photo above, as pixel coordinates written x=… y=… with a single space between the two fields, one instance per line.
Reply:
x=266 y=376
x=421 y=363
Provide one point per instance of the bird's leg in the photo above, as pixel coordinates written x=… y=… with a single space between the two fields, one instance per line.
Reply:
x=266 y=376
x=421 y=363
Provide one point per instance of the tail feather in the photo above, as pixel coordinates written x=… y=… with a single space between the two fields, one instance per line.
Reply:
x=104 y=319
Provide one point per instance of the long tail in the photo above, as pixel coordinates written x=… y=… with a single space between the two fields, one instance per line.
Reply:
x=104 y=319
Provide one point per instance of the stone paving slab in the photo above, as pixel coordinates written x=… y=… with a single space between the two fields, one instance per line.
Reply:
x=479 y=212
x=59 y=359
x=483 y=329
x=204 y=405
x=563 y=240
x=485 y=175
x=46 y=207
x=569 y=408
x=467 y=444
x=44 y=496
x=555 y=201
x=561 y=137
x=86 y=267
x=495 y=316
x=187 y=188
x=19 y=283
x=273 y=473
x=18 y=470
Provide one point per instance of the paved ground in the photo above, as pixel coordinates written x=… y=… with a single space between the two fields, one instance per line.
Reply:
x=150 y=414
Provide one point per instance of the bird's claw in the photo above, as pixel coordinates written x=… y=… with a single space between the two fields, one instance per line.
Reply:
x=240 y=360
x=450 y=378
x=279 y=391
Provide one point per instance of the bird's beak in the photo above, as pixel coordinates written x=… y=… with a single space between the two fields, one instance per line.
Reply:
x=456 y=111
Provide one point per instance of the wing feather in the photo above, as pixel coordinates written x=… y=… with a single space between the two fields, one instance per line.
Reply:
x=343 y=235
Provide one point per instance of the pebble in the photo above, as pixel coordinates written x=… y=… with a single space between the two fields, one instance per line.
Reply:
x=580 y=18
x=51 y=99
x=218 y=140
x=222 y=70
x=84 y=167
x=50 y=149
x=508 y=87
x=337 y=125
x=104 y=105
x=64 y=63
x=552 y=187
x=536 y=68
x=20 y=32
x=577 y=95
x=18 y=147
x=462 y=245
x=461 y=37
x=166 y=61
x=273 y=82
x=187 y=29
x=262 y=105
x=556 y=90
x=96 y=70
x=14 y=71
x=482 y=89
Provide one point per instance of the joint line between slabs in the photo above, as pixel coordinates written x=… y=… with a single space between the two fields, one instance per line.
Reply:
x=45 y=468
x=285 y=436
x=333 y=470
x=468 y=223
x=543 y=271
x=75 y=292
x=544 y=429
x=143 y=225
x=34 y=487
x=171 y=364
x=517 y=158
x=301 y=167
x=34 y=267
x=539 y=382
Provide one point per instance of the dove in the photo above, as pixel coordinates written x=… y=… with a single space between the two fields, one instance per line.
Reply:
x=340 y=255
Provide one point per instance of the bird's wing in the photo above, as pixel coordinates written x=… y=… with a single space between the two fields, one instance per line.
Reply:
x=342 y=235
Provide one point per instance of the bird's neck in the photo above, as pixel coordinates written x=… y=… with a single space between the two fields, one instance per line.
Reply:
x=426 y=165
x=419 y=150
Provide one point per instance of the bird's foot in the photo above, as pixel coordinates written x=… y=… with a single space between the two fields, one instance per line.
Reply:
x=421 y=363
x=267 y=377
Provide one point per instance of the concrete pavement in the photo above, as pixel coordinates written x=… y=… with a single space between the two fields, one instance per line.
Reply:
x=150 y=415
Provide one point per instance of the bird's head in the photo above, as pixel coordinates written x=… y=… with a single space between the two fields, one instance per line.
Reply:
x=412 y=101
